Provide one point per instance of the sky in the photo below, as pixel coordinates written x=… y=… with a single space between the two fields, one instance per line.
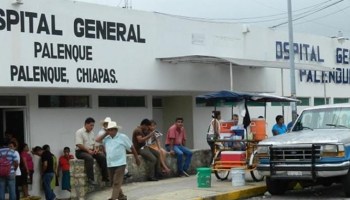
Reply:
x=319 y=17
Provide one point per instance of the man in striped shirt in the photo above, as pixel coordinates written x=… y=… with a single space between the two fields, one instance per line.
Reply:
x=9 y=181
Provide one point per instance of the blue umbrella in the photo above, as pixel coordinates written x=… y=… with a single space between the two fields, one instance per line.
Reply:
x=224 y=95
x=235 y=96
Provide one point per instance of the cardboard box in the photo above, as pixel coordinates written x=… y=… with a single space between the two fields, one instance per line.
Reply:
x=233 y=156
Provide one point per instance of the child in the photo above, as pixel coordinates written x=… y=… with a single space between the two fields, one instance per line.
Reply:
x=154 y=143
x=64 y=165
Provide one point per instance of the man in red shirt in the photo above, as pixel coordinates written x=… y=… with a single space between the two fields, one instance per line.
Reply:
x=175 y=144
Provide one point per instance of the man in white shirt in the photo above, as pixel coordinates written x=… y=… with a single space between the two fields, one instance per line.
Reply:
x=88 y=151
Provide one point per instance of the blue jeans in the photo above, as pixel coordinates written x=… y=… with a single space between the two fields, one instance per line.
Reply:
x=47 y=178
x=11 y=183
x=180 y=151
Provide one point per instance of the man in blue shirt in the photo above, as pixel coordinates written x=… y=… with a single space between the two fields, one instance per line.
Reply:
x=279 y=128
x=116 y=144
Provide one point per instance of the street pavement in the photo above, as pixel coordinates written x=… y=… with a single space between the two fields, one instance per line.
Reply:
x=182 y=188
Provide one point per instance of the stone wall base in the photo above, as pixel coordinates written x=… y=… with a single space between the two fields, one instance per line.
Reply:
x=80 y=187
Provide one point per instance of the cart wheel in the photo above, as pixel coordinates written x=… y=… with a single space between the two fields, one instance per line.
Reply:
x=222 y=174
x=253 y=161
x=256 y=176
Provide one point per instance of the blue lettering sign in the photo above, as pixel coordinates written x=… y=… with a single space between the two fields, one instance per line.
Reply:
x=303 y=51
x=338 y=76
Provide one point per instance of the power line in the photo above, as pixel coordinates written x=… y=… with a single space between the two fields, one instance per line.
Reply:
x=309 y=9
x=279 y=14
x=297 y=18
x=335 y=12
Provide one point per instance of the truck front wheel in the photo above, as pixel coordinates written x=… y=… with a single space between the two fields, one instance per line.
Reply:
x=276 y=187
x=346 y=184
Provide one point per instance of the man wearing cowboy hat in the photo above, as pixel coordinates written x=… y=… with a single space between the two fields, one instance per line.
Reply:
x=116 y=145
x=104 y=124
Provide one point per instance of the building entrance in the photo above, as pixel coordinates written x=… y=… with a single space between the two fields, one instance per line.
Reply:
x=14 y=122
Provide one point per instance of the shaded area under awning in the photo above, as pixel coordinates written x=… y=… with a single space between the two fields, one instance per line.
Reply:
x=241 y=62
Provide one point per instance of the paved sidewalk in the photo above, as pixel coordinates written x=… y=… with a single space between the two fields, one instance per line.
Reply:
x=183 y=188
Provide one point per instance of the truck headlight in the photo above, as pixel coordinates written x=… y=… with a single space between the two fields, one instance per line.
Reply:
x=263 y=151
x=332 y=150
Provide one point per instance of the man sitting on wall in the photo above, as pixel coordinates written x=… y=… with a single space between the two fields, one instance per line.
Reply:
x=86 y=150
x=175 y=144
x=139 y=137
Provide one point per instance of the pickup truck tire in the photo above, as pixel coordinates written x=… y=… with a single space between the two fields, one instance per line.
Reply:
x=346 y=184
x=276 y=187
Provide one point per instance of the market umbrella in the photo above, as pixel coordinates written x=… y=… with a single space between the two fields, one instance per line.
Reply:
x=236 y=96
x=224 y=95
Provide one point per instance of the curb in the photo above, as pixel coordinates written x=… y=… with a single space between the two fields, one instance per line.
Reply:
x=238 y=194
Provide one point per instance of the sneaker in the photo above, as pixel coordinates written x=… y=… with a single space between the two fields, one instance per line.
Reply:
x=92 y=182
x=185 y=173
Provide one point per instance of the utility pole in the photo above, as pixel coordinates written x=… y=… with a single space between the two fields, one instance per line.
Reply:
x=126 y=4
x=291 y=61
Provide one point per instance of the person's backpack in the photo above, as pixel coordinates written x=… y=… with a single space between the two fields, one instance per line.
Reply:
x=5 y=165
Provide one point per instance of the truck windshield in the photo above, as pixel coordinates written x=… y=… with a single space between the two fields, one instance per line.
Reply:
x=324 y=118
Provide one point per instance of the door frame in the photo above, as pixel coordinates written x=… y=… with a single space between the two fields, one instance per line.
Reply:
x=5 y=110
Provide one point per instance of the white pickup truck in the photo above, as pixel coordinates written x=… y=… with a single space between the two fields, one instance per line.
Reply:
x=316 y=151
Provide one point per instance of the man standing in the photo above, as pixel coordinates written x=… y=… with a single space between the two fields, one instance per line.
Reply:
x=47 y=171
x=116 y=145
x=279 y=128
x=86 y=150
x=139 y=137
x=102 y=131
x=175 y=143
x=8 y=181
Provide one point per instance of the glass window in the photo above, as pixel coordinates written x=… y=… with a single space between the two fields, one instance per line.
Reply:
x=122 y=101
x=324 y=118
x=280 y=103
x=304 y=101
x=63 y=101
x=12 y=100
x=157 y=102
x=320 y=101
x=341 y=100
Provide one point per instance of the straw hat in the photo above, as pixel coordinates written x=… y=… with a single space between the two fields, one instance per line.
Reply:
x=106 y=120
x=113 y=124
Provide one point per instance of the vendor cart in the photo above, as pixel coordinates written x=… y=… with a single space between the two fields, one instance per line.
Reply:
x=234 y=150
x=231 y=153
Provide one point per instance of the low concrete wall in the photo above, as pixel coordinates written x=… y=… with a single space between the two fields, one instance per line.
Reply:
x=80 y=186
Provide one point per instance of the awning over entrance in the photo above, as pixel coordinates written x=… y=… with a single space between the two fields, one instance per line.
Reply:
x=241 y=62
